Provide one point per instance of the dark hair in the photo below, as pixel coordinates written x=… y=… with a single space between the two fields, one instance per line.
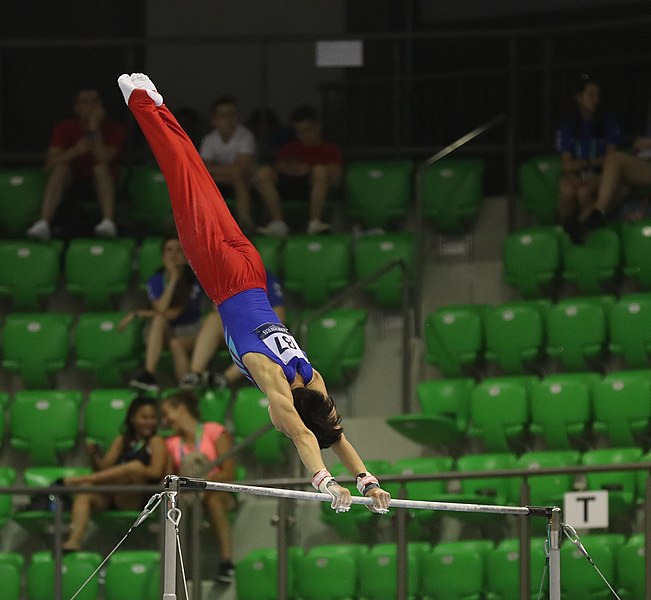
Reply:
x=186 y=398
x=319 y=414
x=303 y=113
x=226 y=99
x=183 y=289
x=574 y=118
x=128 y=430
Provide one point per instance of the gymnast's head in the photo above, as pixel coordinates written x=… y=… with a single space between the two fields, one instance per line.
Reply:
x=319 y=414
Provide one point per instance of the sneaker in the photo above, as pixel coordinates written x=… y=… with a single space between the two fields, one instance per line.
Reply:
x=106 y=229
x=145 y=382
x=226 y=572
x=316 y=226
x=193 y=380
x=217 y=381
x=278 y=228
x=40 y=231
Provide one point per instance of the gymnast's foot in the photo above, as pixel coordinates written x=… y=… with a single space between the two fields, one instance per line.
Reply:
x=128 y=83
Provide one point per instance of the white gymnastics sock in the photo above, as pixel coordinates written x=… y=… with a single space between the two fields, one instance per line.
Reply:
x=128 y=83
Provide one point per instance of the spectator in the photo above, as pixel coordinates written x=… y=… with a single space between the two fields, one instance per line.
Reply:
x=212 y=333
x=269 y=134
x=228 y=152
x=190 y=450
x=305 y=168
x=175 y=313
x=583 y=140
x=136 y=456
x=82 y=158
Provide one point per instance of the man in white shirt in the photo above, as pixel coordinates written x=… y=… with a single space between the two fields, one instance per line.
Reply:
x=228 y=152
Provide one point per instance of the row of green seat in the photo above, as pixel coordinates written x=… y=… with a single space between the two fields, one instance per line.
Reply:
x=538 y=260
x=561 y=411
x=38 y=345
x=580 y=333
x=470 y=569
x=129 y=575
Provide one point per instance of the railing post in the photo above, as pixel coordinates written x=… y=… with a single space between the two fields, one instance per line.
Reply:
x=647 y=536
x=58 y=553
x=402 y=591
x=525 y=544
x=283 y=525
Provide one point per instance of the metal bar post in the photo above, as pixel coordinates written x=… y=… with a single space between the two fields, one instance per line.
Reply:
x=197 y=588
x=58 y=554
x=525 y=545
x=555 y=554
x=169 y=554
x=402 y=565
x=282 y=546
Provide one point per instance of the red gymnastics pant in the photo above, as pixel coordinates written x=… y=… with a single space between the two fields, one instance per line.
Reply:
x=223 y=259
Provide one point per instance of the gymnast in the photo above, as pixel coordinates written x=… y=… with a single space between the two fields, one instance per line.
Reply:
x=232 y=273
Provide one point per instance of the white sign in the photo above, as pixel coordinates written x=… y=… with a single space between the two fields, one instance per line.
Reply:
x=339 y=53
x=586 y=510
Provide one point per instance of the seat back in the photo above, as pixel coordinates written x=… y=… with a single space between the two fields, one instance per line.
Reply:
x=149 y=200
x=532 y=260
x=35 y=345
x=631 y=568
x=378 y=572
x=453 y=572
x=327 y=573
x=29 y=272
x=316 y=267
x=452 y=193
x=580 y=579
x=270 y=248
x=539 y=179
x=373 y=252
x=133 y=574
x=150 y=258
x=98 y=269
x=495 y=489
x=636 y=246
x=545 y=490
x=11 y=566
x=592 y=266
x=104 y=414
x=21 y=195
x=335 y=343
x=213 y=405
x=256 y=574
x=7 y=478
x=378 y=192
x=420 y=490
x=447 y=397
x=77 y=567
x=630 y=333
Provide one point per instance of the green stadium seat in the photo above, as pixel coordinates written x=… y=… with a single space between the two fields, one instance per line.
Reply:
x=631 y=568
x=378 y=578
x=11 y=568
x=326 y=573
x=454 y=339
x=377 y=193
x=36 y=346
x=630 y=330
x=532 y=261
x=593 y=266
x=372 y=252
x=636 y=246
x=133 y=575
x=444 y=416
x=97 y=270
x=561 y=413
x=622 y=408
x=104 y=350
x=21 y=196
x=452 y=193
x=256 y=574
x=213 y=405
x=454 y=571
x=150 y=258
x=499 y=414
x=621 y=485
x=7 y=478
x=29 y=272
x=642 y=478
x=270 y=248
x=315 y=267
x=539 y=179
x=514 y=336
x=149 y=200
x=580 y=580
x=44 y=423
x=335 y=343
x=577 y=333
x=250 y=413
x=104 y=414
x=77 y=567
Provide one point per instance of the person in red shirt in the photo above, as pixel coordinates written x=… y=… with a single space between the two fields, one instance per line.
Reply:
x=84 y=149
x=304 y=168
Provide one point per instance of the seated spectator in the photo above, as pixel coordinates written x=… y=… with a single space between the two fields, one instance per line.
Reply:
x=228 y=152
x=137 y=456
x=270 y=134
x=212 y=333
x=303 y=169
x=82 y=159
x=193 y=447
x=585 y=137
x=175 y=313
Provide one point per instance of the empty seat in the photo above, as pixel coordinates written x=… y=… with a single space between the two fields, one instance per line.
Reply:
x=444 y=416
x=622 y=408
x=594 y=265
x=150 y=258
x=636 y=247
x=256 y=574
x=378 y=578
x=561 y=412
x=29 y=272
x=577 y=333
x=630 y=329
x=532 y=261
x=452 y=193
x=21 y=195
x=104 y=414
x=372 y=252
x=133 y=575
x=149 y=200
x=378 y=192
x=7 y=478
x=97 y=270
x=104 y=350
x=335 y=343
x=326 y=573
x=11 y=567
x=580 y=580
x=539 y=179
x=454 y=338
x=631 y=568
x=77 y=568
x=270 y=248
x=213 y=405
x=36 y=346
x=315 y=267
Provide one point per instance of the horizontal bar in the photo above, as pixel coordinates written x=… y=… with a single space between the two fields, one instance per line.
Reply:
x=215 y=486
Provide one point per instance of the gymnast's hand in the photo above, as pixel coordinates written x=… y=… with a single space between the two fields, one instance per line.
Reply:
x=341 y=498
x=381 y=500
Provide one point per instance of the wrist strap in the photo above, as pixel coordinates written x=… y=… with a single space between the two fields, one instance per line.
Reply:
x=320 y=477
x=366 y=482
